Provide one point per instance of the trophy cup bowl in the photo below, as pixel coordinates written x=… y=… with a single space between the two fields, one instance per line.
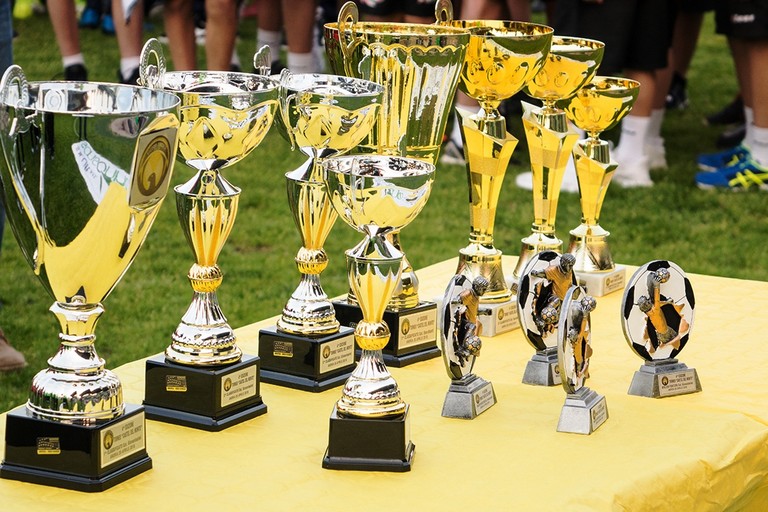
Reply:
x=596 y=107
x=203 y=380
x=87 y=166
x=324 y=115
x=374 y=194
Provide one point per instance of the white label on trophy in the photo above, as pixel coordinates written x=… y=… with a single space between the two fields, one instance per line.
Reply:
x=282 y=348
x=679 y=383
x=122 y=439
x=48 y=446
x=599 y=413
x=613 y=283
x=418 y=328
x=506 y=317
x=337 y=354
x=483 y=398
x=176 y=383
x=238 y=386
x=97 y=172
x=555 y=369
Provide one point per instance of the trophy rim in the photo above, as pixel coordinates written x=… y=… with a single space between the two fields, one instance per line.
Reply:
x=423 y=168
x=223 y=77
x=590 y=46
x=373 y=89
x=474 y=25
x=397 y=30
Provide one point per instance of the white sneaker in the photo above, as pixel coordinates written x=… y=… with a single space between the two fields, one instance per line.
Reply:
x=524 y=180
x=657 y=155
x=633 y=173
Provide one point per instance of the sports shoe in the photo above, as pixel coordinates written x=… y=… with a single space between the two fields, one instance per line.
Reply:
x=108 y=25
x=657 y=155
x=633 y=173
x=730 y=114
x=714 y=161
x=743 y=175
x=677 y=97
x=132 y=79
x=10 y=358
x=76 y=73
x=89 y=18
x=732 y=136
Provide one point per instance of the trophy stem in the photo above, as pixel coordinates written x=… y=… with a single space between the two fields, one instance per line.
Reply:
x=309 y=311
x=406 y=294
x=76 y=388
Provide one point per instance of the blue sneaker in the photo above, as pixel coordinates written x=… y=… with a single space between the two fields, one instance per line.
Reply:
x=714 y=161
x=89 y=18
x=743 y=175
x=108 y=25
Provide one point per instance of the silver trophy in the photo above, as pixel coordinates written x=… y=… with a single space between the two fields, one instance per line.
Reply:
x=460 y=329
x=584 y=409
x=86 y=168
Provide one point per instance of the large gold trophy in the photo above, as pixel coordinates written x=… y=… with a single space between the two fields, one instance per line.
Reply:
x=324 y=115
x=86 y=167
x=373 y=194
x=571 y=63
x=418 y=66
x=203 y=380
x=597 y=107
x=502 y=57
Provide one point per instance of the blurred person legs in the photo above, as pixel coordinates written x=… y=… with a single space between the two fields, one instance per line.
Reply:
x=299 y=34
x=91 y=15
x=685 y=37
x=220 y=33
x=64 y=21
x=130 y=40
x=270 y=20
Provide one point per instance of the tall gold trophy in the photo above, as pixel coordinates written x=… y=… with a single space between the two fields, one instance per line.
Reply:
x=571 y=63
x=418 y=66
x=86 y=168
x=597 y=107
x=502 y=57
x=203 y=380
x=374 y=194
x=324 y=115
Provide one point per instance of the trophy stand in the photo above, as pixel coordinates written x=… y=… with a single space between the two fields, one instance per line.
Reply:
x=75 y=431
x=325 y=115
x=658 y=310
x=596 y=107
x=203 y=380
x=542 y=369
x=570 y=64
x=369 y=426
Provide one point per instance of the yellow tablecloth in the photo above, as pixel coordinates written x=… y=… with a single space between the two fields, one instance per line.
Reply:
x=705 y=451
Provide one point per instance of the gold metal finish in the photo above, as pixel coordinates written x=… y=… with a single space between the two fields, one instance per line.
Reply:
x=571 y=63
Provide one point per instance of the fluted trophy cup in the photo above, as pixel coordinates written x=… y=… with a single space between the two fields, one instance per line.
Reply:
x=86 y=168
x=597 y=107
x=418 y=65
x=571 y=63
x=324 y=115
x=374 y=194
x=502 y=57
x=203 y=380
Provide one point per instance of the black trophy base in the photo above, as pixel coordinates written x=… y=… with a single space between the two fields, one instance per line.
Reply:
x=209 y=399
x=543 y=369
x=81 y=458
x=413 y=331
x=309 y=364
x=359 y=444
x=663 y=378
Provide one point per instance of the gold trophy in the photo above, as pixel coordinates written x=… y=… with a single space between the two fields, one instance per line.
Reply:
x=597 y=107
x=571 y=63
x=502 y=57
x=203 y=380
x=418 y=65
x=374 y=194
x=324 y=115
x=86 y=168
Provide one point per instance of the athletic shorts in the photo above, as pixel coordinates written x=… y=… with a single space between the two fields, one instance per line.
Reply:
x=637 y=33
x=696 y=5
x=742 y=19
x=423 y=8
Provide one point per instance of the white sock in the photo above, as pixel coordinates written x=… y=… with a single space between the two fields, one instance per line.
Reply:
x=654 y=128
x=302 y=62
x=128 y=65
x=634 y=136
x=759 y=145
x=272 y=39
x=71 y=60
x=749 y=119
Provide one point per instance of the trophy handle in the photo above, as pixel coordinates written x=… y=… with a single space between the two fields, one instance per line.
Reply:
x=151 y=75
x=443 y=12
x=285 y=103
x=14 y=91
x=348 y=18
x=262 y=61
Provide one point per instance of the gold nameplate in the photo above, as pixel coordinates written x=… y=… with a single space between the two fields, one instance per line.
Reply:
x=176 y=383
x=282 y=348
x=48 y=446
x=123 y=439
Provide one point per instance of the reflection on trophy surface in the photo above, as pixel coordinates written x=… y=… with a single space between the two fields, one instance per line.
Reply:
x=540 y=295
x=584 y=409
x=419 y=66
x=324 y=115
x=224 y=116
x=571 y=63
x=657 y=314
x=502 y=57
x=86 y=168
x=597 y=107
x=373 y=194
x=460 y=329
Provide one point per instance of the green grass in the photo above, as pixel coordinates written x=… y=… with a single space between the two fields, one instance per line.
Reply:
x=704 y=232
